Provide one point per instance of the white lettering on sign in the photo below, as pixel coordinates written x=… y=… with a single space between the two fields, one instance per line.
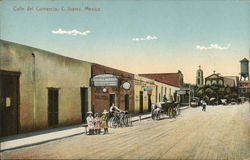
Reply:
x=105 y=80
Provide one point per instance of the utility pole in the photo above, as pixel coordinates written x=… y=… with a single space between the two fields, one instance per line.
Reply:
x=189 y=96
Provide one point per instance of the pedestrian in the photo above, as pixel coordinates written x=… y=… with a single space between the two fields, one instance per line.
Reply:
x=97 y=124
x=90 y=122
x=204 y=104
x=104 y=120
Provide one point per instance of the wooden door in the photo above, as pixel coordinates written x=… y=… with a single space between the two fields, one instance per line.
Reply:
x=9 y=101
x=53 y=107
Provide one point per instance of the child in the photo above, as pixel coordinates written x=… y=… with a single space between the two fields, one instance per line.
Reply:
x=104 y=120
x=97 y=124
x=90 y=122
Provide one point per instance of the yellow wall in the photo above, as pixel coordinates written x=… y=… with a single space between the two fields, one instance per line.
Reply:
x=39 y=70
x=141 y=83
x=164 y=89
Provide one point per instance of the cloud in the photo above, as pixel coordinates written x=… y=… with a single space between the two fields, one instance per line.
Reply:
x=213 y=46
x=145 y=39
x=73 y=32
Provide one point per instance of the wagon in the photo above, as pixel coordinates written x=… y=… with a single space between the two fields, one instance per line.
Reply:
x=168 y=108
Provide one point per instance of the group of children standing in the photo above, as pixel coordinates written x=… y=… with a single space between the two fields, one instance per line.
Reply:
x=97 y=122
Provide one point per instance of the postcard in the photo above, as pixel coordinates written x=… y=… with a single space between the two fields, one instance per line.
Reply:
x=124 y=79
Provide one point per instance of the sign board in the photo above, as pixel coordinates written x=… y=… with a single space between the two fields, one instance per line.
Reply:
x=102 y=80
x=148 y=89
x=181 y=92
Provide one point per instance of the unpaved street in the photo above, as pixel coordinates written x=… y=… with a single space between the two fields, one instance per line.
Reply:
x=222 y=132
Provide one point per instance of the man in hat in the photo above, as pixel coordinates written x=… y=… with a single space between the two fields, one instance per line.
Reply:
x=104 y=121
x=114 y=109
x=90 y=122
x=204 y=104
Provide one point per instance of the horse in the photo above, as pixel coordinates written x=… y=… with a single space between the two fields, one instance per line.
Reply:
x=169 y=108
x=156 y=111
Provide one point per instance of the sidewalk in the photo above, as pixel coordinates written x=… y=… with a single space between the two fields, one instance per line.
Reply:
x=39 y=137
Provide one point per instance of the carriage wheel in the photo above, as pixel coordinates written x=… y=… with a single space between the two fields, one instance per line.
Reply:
x=125 y=121
x=170 y=112
x=159 y=116
x=110 y=122
x=152 y=116
x=174 y=113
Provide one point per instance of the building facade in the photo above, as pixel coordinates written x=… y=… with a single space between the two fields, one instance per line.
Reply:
x=148 y=91
x=144 y=93
x=109 y=86
x=40 y=89
x=226 y=81
x=214 y=79
x=244 y=88
x=173 y=79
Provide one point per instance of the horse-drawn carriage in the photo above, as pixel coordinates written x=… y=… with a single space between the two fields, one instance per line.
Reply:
x=169 y=108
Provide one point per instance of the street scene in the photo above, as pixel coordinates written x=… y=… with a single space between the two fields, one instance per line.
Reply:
x=222 y=132
x=89 y=79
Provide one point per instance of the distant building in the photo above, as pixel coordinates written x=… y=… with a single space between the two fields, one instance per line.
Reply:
x=214 y=79
x=244 y=88
x=174 y=79
x=199 y=77
x=217 y=79
x=232 y=81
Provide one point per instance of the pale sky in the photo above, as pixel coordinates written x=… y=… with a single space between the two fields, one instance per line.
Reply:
x=137 y=36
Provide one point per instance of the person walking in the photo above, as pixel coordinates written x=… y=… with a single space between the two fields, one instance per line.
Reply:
x=97 y=124
x=204 y=104
x=90 y=122
x=104 y=121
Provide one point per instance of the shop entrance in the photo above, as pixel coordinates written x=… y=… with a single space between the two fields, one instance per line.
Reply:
x=141 y=102
x=111 y=99
x=149 y=103
x=127 y=102
x=53 y=106
x=9 y=98
x=84 y=103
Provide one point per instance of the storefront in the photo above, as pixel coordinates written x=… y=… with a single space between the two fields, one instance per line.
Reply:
x=145 y=93
x=111 y=86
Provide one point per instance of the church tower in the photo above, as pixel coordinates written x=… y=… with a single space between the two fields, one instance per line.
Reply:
x=199 y=77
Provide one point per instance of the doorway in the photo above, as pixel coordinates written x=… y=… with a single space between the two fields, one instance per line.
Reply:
x=84 y=103
x=127 y=102
x=53 y=106
x=141 y=102
x=9 y=100
x=111 y=99
x=149 y=103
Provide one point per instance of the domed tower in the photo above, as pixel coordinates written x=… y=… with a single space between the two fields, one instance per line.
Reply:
x=244 y=69
x=199 y=77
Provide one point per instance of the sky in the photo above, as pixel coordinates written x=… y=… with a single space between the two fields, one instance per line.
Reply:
x=137 y=36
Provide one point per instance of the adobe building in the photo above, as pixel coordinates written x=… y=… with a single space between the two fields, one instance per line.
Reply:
x=144 y=93
x=148 y=91
x=40 y=89
x=173 y=79
x=109 y=86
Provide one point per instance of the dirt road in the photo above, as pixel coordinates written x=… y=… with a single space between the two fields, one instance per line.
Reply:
x=222 y=132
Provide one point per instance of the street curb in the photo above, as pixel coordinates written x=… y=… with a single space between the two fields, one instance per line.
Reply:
x=42 y=142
